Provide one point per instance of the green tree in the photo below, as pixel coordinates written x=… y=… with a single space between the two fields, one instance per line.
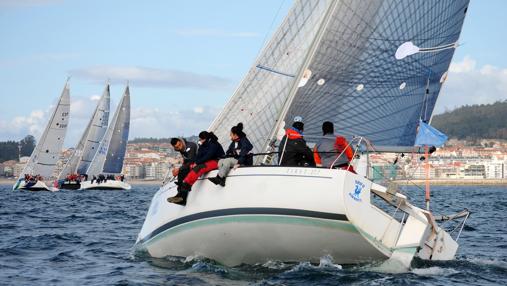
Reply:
x=27 y=145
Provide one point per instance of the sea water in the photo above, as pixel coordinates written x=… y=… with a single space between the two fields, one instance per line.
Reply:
x=87 y=238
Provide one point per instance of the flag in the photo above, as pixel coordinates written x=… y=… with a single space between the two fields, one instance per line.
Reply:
x=429 y=136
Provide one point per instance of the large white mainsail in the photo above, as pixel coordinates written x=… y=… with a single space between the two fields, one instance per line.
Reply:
x=343 y=69
x=112 y=148
x=88 y=144
x=47 y=152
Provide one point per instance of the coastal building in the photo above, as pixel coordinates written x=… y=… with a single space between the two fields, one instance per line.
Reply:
x=494 y=170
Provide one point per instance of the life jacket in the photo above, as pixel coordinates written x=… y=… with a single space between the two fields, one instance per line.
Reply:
x=293 y=134
x=341 y=144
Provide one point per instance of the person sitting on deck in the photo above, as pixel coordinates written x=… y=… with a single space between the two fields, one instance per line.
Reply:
x=293 y=150
x=333 y=150
x=206 y=160
x=238 y=154
x=188 y=151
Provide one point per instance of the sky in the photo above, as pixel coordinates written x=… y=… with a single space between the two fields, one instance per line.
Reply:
x=183 y=59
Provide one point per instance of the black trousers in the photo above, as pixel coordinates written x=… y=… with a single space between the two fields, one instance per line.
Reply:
x=184 y=170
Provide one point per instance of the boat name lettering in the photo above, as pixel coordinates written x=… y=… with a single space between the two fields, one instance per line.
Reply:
x=359 y=186
x=63 y=125
x=298 y=171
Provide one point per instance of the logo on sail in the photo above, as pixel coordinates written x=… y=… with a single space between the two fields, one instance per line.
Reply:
x=357 y=191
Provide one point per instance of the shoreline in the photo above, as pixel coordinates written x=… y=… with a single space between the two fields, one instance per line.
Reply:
x=435 y=182
x=5 y=181
x=455 y=182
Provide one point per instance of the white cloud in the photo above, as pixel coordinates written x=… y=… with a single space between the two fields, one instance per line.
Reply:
x=204 y=32
x=151 y=77
x=34 y=124
x=95 y=97
x=467 y=65
x=153 y=122
x=198 y=109
x=144 y=122
x=468 y=83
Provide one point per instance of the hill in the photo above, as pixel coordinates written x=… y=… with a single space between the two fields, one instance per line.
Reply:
x=474 y=121
x=160 y=140
x=11 y=150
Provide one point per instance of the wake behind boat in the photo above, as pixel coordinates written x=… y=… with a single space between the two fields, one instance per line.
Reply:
x=108 y=160
x=43 y=160
x=343 y=61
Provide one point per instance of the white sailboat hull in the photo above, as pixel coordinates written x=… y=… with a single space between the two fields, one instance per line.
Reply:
x=284 y=214
x=38 y=186
x=263 y=213
x=108 y=185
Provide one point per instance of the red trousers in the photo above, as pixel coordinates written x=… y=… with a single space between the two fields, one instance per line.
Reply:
x=199 y=170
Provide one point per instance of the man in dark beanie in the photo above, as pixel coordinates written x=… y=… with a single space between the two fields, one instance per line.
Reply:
x=293 y=150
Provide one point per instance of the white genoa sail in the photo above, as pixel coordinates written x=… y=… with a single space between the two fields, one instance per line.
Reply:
x=111 y=151
x=47 y=152
x=261 y=95
x=88 y=144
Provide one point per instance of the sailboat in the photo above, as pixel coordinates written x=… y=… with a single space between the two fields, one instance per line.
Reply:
x=342 y=61
x=76 y=166
x=43 y=160
x=104 y=172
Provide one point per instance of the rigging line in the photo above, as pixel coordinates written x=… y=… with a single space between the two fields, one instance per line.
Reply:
x=270 y=29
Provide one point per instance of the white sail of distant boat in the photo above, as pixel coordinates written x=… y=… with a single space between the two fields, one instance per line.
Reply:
x=341 y=61
x=113 y=146
x=88 y=144
x=47 y=152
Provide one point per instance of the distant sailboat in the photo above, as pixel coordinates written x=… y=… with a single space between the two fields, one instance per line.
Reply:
x=87 y=147
x=108 y=160
x=42 y=162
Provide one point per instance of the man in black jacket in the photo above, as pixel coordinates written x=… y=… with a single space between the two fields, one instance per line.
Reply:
x=188 y=151
x=293 y=150
x=210 y=151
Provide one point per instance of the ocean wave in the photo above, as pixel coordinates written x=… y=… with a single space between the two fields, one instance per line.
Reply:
x=434 y=271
